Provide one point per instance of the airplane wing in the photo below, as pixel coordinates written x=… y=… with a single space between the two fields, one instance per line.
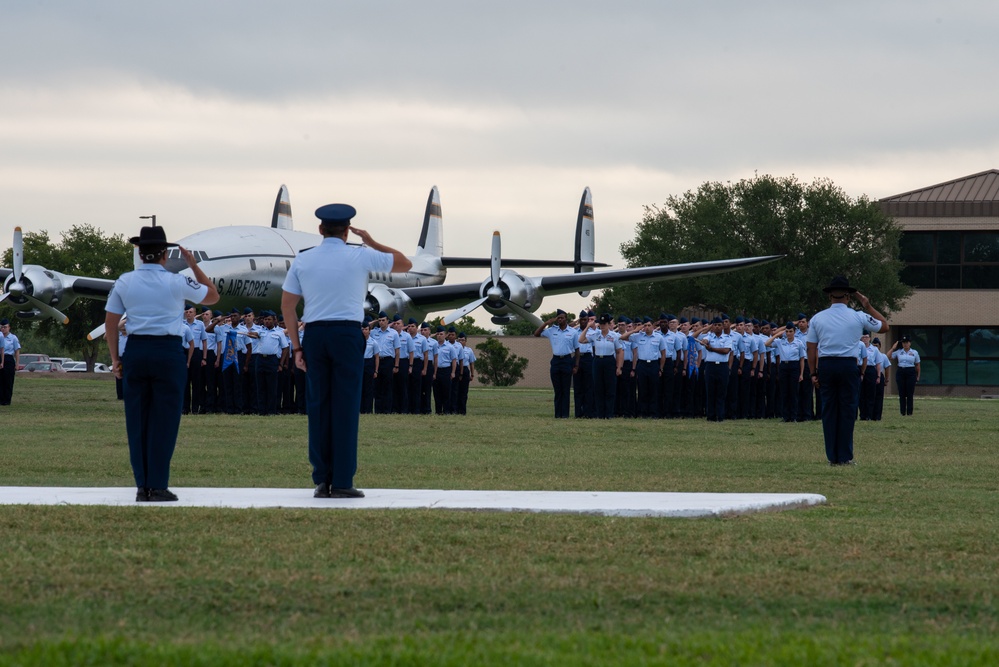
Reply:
x=516 y=295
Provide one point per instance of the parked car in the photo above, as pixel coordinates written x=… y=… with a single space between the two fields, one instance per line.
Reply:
x=29 y=358
x=61 y=360
x=81 y=367
x=42 y=367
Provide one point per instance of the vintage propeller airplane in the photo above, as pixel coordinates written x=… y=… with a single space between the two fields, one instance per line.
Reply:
x=248 y=265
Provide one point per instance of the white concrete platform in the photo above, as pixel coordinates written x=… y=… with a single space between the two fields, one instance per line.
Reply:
x=607 y=503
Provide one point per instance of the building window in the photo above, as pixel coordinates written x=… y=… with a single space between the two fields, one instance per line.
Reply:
x=950 y=260
x=956 y=355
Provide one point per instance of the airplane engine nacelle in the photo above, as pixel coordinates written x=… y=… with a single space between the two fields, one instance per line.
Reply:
x=384 y=298
x=37 y=282
x=512 y=287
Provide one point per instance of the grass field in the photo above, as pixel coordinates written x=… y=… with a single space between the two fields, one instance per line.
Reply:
x=899 y=567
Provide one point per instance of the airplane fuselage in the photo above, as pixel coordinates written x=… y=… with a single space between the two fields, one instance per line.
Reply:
x=248 y=264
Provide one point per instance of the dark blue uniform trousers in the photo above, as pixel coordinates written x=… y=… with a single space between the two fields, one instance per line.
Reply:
x=716 y=380
x=154 y=376
x=561 y=375
x=839 y=386
x=604 y=386
x=905 y=384
x=334 y=356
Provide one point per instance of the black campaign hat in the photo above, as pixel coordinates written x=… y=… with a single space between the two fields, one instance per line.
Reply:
x=336 y=214
x=839 y=284
x=151 y=236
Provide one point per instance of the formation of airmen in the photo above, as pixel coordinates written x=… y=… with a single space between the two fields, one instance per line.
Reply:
x=671 y=368
x=240 y=363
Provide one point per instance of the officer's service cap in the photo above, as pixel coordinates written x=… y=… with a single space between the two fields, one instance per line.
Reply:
x=336 y=215
x=905 y=339
x=605 y=319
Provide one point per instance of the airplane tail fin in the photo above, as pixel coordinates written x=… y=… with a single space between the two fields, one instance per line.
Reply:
x=432 y=235
x=281 y=218
x=584 y=237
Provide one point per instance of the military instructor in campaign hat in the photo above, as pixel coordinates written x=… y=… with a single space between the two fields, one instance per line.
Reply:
x=332 y=278
x=831 y=341
x=153 y=368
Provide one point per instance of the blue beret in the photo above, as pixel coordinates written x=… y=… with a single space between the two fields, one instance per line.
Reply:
x=336 y=214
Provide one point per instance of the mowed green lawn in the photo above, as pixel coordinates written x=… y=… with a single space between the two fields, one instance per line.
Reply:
x=899 y=567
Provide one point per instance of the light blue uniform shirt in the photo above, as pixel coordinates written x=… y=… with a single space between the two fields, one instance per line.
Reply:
x=154 y=300
x=187 y=338
x=604 y=345
x=11 y=344
x=271 y=342
x=333 y=279
x=861 y=354
x=563 y=341
x=648 y=347
x=197 y=328
x=370 y=348
x=837 y=329
x=584 y=348
x=431 y=350
x=722 y=340
x=419 y=347
x=387 y=341
x=445 y=354
x=790 y=350
x=906 y=359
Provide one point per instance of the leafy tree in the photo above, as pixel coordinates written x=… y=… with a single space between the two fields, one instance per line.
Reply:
x=83 y=251
x=497 y=365
x=468 y=325
x=819 y=229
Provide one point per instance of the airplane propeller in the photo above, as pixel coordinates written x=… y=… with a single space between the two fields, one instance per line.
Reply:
x=20 y=290
x=494 y=292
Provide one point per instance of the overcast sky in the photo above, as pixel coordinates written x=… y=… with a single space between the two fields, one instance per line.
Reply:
x=198 y=111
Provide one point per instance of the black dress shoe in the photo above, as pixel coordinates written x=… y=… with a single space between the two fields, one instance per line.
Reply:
x=346 y=493
x=161 y=496
x=142 y=495
x=322 y=491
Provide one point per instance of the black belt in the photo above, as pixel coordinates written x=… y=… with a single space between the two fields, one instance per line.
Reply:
x=649 y=361
x=586 y=354
x=797 y=363
x=603 y=356
x=561 y=356
x=334 y=323
x=150 y=337
x=716 y=362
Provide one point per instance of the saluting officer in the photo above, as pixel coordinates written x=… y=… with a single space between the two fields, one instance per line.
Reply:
x=832 y=343
x=332 y=350
x=608 y=356
x=565 y=349
x=716 y=365
x=649 y=349
x=153 y=368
